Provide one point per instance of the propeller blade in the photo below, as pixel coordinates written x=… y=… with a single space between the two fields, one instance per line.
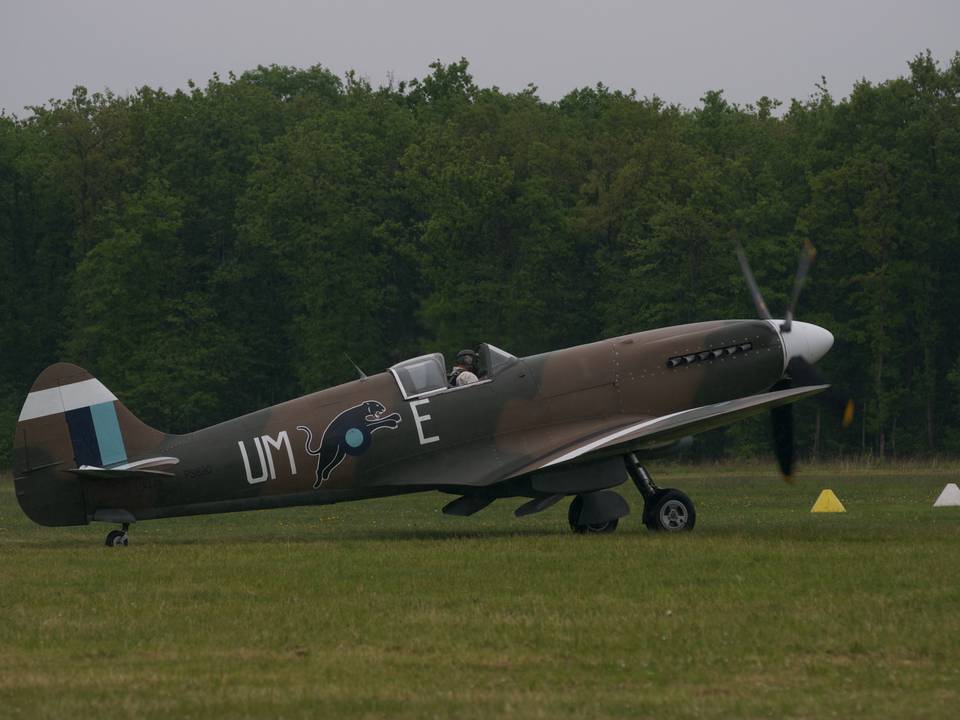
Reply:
x=803 y=373
x=782 y=418
x=752 y=283
x=807 y=256
x=799 y=372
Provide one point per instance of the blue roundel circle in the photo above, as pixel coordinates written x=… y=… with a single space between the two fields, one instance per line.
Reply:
x=355 y=440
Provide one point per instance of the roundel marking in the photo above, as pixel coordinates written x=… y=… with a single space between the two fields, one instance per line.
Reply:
x=354 y=437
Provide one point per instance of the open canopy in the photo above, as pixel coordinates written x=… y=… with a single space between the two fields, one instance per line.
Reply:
x=428 y=373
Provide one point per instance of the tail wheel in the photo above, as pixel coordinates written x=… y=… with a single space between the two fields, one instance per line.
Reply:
x=669 y=511
x=117 y=538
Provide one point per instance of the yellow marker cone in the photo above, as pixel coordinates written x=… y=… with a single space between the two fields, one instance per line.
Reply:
x=828 y=502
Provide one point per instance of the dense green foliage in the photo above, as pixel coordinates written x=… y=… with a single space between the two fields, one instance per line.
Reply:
x=212 y=251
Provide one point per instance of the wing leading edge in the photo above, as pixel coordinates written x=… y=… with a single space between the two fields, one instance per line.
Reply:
x=673 y=426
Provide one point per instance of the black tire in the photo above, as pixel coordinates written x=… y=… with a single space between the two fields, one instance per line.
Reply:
x=599 y=528
x=117 y=538
x=669 y=511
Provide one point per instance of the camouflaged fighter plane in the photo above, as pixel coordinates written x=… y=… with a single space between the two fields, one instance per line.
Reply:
x=569 y=423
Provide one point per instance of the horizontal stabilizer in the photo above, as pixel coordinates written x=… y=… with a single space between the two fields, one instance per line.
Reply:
x=140 y=468
x=111 y=474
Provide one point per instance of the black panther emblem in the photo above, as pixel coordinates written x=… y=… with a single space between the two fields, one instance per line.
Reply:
x=349 y=433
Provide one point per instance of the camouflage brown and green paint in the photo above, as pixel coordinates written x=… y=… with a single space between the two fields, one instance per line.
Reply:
x=532 y=427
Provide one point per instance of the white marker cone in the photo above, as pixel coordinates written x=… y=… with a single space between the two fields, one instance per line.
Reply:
x=950 y=497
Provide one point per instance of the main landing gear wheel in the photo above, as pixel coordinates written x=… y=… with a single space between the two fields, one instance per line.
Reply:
x=607 y=525
x=118 y=538
x=664 y=510
x=669 y=511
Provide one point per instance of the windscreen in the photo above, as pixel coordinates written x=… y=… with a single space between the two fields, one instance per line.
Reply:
x=494 y=359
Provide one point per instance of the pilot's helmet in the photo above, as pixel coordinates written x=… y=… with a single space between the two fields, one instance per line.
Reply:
x=468 y=359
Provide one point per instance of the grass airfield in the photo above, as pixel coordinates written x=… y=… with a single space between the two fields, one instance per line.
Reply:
x=389 y=608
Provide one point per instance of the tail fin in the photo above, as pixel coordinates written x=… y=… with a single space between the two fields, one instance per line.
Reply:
x=70 y=420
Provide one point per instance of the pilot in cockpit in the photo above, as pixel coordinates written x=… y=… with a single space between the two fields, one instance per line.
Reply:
x=464 y=369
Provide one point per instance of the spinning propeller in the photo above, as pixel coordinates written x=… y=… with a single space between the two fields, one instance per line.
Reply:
x=803 y=344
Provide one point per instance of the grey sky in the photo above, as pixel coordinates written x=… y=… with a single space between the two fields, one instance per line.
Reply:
x=676 y=50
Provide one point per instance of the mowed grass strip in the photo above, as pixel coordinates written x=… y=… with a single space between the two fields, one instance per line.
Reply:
x=389 y=608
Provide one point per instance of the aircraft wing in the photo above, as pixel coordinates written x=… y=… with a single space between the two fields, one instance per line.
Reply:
x=670 y=427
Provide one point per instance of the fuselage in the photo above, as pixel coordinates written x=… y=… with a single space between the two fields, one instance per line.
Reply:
x=473 y=435
x=366 y=439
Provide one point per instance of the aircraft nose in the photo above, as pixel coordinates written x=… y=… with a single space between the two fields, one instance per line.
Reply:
x=806 y=340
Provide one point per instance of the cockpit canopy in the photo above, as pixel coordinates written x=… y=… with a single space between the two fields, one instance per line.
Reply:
x=420 y=374
x=428 y=373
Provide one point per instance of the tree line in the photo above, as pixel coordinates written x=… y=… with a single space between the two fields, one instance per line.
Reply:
x=211 y=251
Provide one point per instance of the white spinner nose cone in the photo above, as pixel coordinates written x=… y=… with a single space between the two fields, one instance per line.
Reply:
x=806 y=340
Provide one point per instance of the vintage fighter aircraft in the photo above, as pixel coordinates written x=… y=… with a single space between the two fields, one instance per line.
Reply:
x=569 y=423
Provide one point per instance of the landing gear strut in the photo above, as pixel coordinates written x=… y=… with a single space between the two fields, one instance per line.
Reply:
x=664 y=510
x=118 y=538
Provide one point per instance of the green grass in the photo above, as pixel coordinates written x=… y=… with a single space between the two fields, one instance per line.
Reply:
x=388 y=608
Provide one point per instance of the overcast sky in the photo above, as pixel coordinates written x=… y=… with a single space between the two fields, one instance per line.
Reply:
x=676 y=50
